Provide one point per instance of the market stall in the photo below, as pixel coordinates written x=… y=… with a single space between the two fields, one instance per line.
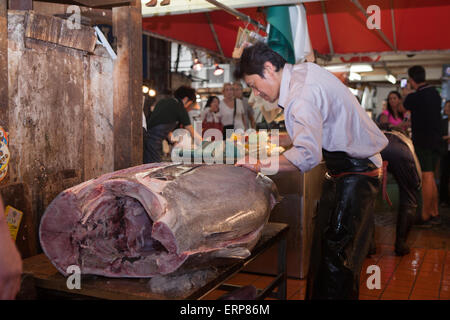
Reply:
x=72 y=180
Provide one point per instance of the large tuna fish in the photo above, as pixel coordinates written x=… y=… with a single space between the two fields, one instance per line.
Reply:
x=148 y=220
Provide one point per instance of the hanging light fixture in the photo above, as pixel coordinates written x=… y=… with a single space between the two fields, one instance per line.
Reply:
x=361 y=68
x=145 y=89
x=152 y=93
x=354 y=76
x=391 y=78
x=197 y=66
x=218 y=71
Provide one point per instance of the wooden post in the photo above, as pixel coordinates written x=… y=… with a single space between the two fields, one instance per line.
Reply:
x=4 y=64
x=127 y=28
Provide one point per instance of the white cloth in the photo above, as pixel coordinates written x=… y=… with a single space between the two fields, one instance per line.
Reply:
x=226 y=114
x=367 y=98
x=195 y=115
x=267 y=109
x=210 y=116
x=300 y=34
x=144 y=121
x=320 y=112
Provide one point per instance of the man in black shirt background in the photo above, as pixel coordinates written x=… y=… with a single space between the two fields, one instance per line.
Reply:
x=425 y=107
x=167 y=115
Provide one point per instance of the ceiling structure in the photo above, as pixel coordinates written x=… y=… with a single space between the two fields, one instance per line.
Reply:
x=194 y=6
x=412 y=31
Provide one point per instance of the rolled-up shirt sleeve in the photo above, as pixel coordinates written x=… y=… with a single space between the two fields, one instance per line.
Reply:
x=305 y=129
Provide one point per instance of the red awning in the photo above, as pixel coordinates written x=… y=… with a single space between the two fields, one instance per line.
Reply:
x=194 y=28
x=419 y=25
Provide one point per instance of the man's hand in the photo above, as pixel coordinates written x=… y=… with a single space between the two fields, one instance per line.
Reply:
x=10 y=262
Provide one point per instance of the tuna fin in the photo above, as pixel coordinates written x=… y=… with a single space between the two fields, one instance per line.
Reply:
x=235 y=253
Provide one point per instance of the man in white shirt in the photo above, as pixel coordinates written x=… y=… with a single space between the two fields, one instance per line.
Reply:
x=324 y=119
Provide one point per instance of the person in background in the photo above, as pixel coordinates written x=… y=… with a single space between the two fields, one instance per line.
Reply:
x=383 y=108
x=395 y=116
x=248 y=115
x=210 y=115
x=424 y=102
x=404 y=166
x=195 y=113
x=444 y=197
x=324 y=120
x=231 y=111
x=10 y=261
x=211 y=111
x=168 y=113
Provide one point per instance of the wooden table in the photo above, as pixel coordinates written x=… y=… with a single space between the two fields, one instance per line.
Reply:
x=49 y=282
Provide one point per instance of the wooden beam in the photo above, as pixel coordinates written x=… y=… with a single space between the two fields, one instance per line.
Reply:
x=104 y=3
x=20 y=5
x=94 y=16
x=4 y=65
x=56 y=30
x=94 y=3
x=127 y=28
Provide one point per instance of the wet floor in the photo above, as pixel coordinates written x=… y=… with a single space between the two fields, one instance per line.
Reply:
x=423 y=274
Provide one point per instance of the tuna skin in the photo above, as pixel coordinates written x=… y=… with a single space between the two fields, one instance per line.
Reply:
x=148 y=220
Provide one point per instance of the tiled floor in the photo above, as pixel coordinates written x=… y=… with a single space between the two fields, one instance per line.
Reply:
x=423 y=274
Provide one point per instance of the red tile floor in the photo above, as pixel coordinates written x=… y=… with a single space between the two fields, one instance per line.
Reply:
x=423 y=274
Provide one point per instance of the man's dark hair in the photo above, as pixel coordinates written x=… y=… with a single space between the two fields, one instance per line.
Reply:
x=253 y=59
x=185 y=91
x=417 y=73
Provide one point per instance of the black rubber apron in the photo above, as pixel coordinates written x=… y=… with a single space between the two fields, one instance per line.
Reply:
x=153 y=149
x=343 y=227
x=404 y=166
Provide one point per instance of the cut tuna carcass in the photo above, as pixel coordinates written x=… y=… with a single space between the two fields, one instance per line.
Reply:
x=148 y=220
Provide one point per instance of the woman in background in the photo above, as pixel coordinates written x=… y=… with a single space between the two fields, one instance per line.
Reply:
x=211 y=118
x=231 y=111
x=211 y=111
x=395 y=116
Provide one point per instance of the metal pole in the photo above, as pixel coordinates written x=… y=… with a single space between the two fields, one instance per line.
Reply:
x=381 y=33
x=189 y=45
x=327 y=27
x=214 y=33
x=237 y=14
x=393 y=25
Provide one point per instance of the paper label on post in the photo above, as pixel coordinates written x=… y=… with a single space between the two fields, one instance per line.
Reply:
x=13 y=219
